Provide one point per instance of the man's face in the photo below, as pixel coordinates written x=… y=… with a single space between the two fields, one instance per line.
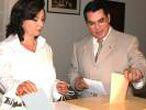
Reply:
x=98 y=23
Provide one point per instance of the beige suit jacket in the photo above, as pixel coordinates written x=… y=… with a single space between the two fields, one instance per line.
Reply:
x=119 y=51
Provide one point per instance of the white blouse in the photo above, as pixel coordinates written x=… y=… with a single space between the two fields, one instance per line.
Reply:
x=17 y=64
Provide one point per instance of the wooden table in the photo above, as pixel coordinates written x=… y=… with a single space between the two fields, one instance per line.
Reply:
x=102 y=103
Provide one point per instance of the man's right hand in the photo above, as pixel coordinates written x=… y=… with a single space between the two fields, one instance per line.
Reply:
x=80 y=84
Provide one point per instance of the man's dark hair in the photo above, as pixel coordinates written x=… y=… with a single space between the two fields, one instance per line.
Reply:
x=23 y=10
x=96 y=5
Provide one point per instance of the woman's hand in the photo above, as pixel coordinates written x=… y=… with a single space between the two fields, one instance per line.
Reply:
x=62 y=87
x=26 y=87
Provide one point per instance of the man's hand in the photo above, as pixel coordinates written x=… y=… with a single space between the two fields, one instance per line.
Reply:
x=26 y=87
x=80 y=84
x=133 y=74
x=62 y=87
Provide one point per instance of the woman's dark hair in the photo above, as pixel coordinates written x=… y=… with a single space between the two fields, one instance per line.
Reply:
x=95 y=6
x=23 y=10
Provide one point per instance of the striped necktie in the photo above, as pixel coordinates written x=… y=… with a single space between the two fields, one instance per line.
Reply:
x=99 y=49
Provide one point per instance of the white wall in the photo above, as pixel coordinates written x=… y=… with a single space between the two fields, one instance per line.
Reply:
x=136 y=20
x=5 y=8
x=61 y=30
x=1 y=19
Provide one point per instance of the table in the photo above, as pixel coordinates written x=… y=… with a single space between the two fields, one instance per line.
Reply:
x=102 y=103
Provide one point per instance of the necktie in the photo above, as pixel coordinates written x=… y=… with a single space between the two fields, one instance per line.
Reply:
x=99 y=49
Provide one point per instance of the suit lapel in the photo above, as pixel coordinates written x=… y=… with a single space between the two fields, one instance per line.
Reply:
x=108 y=46
x=88 y=50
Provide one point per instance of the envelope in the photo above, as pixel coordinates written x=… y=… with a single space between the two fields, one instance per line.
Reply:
x=119 y=86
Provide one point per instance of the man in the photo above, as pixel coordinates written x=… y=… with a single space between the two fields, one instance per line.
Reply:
x=119 y=52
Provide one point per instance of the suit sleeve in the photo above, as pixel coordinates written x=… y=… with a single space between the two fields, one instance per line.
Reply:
x=55 y=93
x=74 y=67
x=136 y=57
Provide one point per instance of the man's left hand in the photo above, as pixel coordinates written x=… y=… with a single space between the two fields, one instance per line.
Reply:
x=133 y=74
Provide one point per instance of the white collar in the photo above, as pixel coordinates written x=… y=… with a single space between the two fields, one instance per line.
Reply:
x=15 y=42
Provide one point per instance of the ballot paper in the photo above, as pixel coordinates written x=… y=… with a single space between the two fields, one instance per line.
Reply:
x=37 y=101
x=95 y=88
x=119 y=86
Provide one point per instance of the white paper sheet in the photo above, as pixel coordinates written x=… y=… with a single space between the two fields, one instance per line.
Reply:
x=37 y=101
x=95 y=88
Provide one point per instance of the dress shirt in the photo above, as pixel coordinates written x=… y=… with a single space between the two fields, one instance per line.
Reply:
x=96 y=44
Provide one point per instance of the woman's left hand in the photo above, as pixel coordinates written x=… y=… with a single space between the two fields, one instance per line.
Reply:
x=62 y=87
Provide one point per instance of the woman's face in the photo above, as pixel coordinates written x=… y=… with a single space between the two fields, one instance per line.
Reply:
x=35 y=26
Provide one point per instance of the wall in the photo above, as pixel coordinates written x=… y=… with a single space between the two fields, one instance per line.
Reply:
x=5 y=7
x=136 y=21
x=1 y=18
x=61 y=30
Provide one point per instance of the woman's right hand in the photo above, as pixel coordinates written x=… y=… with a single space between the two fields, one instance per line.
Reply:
x=26 y=87
x=80 y=84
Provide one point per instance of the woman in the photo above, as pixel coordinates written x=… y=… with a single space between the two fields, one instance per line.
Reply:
x=25 y=58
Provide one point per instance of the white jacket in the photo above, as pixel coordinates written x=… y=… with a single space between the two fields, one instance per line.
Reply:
x=17 y=64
